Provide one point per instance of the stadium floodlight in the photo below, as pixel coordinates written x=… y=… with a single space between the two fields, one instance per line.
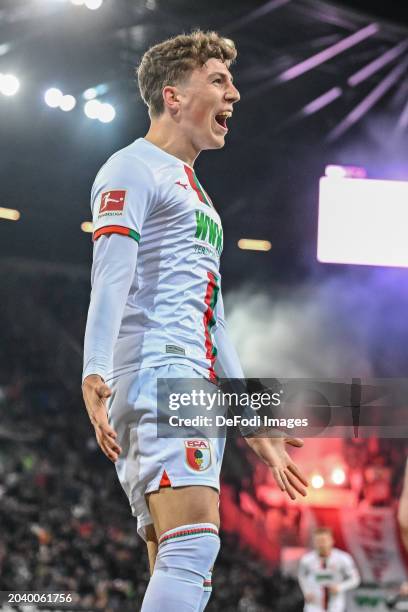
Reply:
x=67 y=103
x=87 y=227
x=338 y=476
x=249 y=244
x=10 y=214
x=106 y=113
x=9 y=84
x=92 y=109
x=93 y=5
x=53 y=97
x=90 y=94
x=78 y=2
x=317 y=481
x=363 y=222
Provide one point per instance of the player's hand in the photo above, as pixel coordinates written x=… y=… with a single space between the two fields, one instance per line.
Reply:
x=333 y=589
x=287 y=475
x=95 y=393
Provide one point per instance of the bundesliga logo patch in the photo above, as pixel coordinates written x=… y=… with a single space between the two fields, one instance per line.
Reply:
x=198 y=454
x=112 y=202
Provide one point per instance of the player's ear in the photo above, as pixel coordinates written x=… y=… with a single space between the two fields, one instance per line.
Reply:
x=171 y=98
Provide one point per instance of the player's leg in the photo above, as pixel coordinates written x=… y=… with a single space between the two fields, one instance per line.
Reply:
x=172 y=509
x=186 y=520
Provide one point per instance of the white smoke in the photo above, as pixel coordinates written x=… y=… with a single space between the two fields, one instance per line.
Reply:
x=350 y=325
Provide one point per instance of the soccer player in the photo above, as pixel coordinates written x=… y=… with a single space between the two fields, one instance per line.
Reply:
x=156 y=311
x=325 y=574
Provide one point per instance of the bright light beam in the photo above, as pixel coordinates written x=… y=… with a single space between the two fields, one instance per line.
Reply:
x=92 y=109
x=10 y=214
x=87 y=227
x=106 y=113
x=9 y=84
x=317 y=481
x=90 y=93
x=324 y=100
x=67 y=103
x=93 y=5
x=368 y=102
x=249 y=244
x=376 y=65
x=338 y=476
x=53 y=97
x=329 y=53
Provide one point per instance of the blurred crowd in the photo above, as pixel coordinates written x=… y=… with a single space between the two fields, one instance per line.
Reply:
x=375 y=469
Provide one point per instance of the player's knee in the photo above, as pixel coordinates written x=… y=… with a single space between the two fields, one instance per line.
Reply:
x=189 y=549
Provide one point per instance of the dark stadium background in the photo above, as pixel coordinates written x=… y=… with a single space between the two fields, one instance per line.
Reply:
x=64 y=522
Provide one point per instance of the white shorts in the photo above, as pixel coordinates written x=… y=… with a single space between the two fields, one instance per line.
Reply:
x=132 y=411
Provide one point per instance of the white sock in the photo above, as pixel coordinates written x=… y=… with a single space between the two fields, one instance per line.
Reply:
x=183 y=561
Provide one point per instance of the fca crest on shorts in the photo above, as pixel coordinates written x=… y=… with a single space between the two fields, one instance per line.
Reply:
x=198 y=454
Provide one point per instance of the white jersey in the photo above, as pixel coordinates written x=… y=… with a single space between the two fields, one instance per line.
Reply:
x=156 y=199
x=316 y=574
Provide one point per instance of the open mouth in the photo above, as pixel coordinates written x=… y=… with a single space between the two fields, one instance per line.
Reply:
x=221 y=119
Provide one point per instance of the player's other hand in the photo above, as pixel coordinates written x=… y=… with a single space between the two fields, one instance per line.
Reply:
x=334 y=589
x=272 y=451
x=95 y=393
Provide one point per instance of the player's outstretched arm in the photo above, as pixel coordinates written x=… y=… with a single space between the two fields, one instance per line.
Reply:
x=113 y=269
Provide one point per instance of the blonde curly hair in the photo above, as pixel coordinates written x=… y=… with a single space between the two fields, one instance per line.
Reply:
x=171 y=61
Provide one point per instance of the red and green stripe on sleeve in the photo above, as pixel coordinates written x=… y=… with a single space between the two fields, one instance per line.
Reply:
x=115 y=229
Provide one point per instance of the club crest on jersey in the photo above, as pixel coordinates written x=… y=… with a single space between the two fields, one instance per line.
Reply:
x=198 y=454
x=112 y=202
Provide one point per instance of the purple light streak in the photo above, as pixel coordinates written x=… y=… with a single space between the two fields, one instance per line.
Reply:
x=329 y=53
x=322 y=101
x=373 y=67
x=368 y=102
x=403 y=120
